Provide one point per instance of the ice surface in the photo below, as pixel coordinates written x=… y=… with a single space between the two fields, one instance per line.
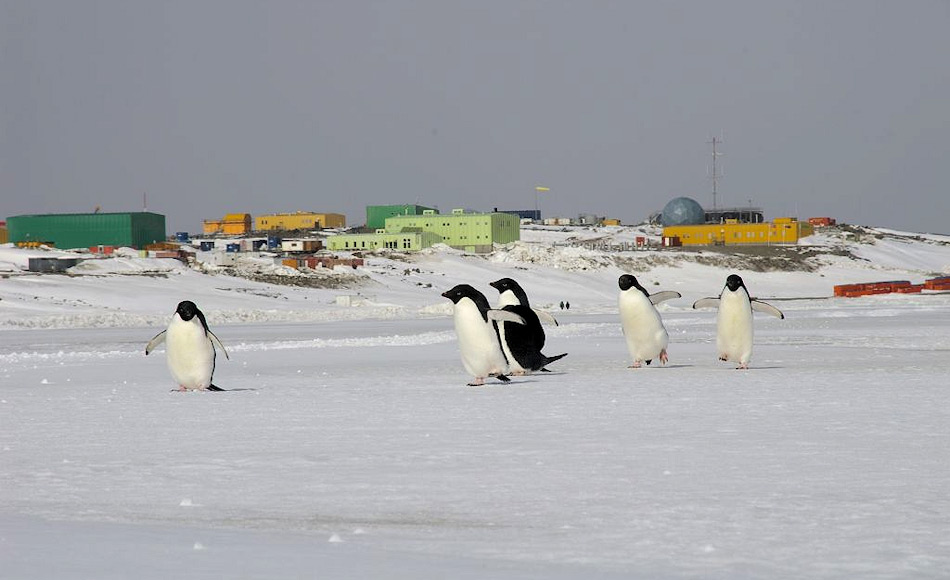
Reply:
x=827 y=459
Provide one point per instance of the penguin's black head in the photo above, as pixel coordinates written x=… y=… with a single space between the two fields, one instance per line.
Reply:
x=507 y=284
x=504 y=284
x=734 y=282
x=627 y=282
x=462 y=291
x=187 y=310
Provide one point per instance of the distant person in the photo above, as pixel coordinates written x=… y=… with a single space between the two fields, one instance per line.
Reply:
x=562 y=305
x=567 y=305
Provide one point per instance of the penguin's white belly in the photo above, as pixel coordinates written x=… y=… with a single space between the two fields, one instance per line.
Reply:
x=189 y=354
x=642 y=327
x=734 y=327
x=478 y=344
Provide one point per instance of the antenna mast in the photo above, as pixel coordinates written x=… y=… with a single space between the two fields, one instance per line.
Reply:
x=715 y=173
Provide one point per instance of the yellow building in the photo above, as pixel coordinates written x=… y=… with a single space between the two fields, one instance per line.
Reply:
x=301 y=220
x=236 y=224
x=4 y=233
x=780 y=231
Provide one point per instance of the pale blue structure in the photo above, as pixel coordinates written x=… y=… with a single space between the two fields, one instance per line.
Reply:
x=682 y=211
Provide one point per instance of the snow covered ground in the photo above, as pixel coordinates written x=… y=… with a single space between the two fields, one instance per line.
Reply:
x=351 y=447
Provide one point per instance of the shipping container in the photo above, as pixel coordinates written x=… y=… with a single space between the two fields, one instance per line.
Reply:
x=868 y=288
x=301 y=245
x=51 y=265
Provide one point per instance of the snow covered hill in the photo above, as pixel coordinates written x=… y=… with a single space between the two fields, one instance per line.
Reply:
x=555 y=265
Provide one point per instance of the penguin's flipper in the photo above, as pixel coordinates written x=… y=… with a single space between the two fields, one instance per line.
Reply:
x=664 y=295
x=546 y=317
x=503 y=378
x=766 y=308
x=214 y=388
x=505 y=316
x=706 y=303
x=215 y=341
x=156 y=340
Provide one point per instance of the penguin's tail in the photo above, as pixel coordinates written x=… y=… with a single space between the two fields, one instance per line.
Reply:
x=550 y=359
x=215 y=388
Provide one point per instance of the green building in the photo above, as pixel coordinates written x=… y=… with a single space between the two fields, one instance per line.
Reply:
x=376 y=214
x=84 y=230
x=408 y=241
x=472 y=232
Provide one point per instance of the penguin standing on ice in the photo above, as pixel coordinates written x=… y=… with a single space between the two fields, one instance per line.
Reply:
x=734 y=321
x=190 y=348
x=478 y=334
x=642 y=326
x=522 y=343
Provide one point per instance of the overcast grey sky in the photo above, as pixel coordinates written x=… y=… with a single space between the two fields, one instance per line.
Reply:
x=838 y=108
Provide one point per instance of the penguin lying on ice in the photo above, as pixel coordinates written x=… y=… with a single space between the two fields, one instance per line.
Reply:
x=734 y=321
x=189 y=348
x=522 y=343
x=643 y=328
x=478 y=334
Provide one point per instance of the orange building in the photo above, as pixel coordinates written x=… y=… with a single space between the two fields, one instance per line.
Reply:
x=235 y=224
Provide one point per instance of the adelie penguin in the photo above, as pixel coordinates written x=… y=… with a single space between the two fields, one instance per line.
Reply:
x=734 y=321
x=522 y=343
x=477 y=333
x=190 y=348
x=642 y=326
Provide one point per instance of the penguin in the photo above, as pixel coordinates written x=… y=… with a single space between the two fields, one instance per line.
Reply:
x=734 y=321
x=522 y=343
x=641 y=323
x=478 y=334
x=190 y=348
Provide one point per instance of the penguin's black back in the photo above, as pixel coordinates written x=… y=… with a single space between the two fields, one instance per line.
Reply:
x=525 y=341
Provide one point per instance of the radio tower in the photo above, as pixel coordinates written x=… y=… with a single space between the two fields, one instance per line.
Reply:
x=715 y=173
